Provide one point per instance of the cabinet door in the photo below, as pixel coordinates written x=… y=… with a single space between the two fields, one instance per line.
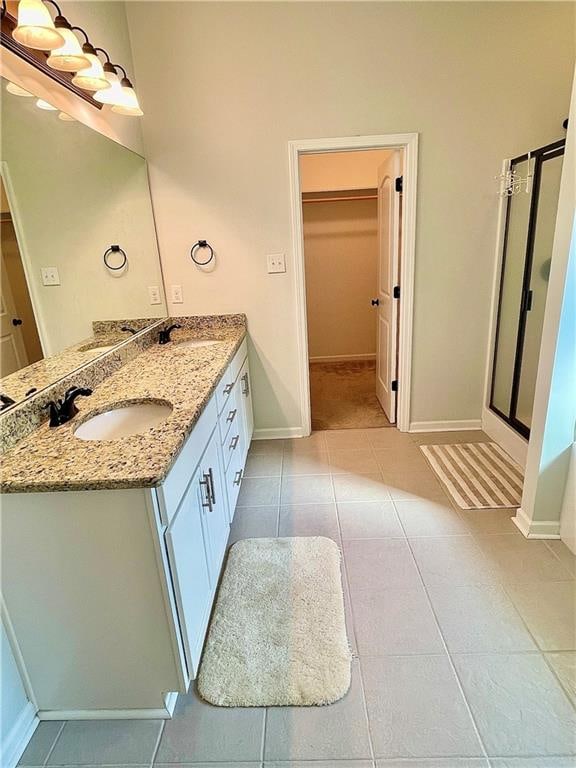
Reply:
x=215 y=517
x=246 y=403
x=189 y=569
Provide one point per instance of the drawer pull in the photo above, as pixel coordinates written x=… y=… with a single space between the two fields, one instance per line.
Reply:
x=206 y=484
x=238 y=477
x=234 y=442
x=212 y=489
x=231 y=416
x=228 y=388
x=245 y=384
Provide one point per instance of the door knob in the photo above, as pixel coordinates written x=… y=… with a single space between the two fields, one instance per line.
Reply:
x=375 y=302
x=16 y=321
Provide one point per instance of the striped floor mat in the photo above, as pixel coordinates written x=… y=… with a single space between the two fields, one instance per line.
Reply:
x=477 y=475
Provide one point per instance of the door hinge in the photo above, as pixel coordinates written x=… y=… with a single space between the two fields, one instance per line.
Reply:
x=399 y=184
x=395 y=385
x=396 y=292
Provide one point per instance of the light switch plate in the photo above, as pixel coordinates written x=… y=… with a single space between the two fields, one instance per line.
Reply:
x=176 y=294
x=154 y=294
x=276 y=262
x=50 y=276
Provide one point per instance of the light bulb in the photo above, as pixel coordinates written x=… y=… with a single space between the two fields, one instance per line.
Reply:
x=43 y=104
x=16 y=90
x=66 y=118
x=113 y=94
x=91 y=78
x=35 y=27
x=69 y=57
x=129 y=104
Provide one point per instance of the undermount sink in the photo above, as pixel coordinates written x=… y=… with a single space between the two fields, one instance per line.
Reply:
x=194 y=343
x=123 y=421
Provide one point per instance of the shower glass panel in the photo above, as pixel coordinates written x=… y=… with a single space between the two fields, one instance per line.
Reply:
x=538 y=285
x=511 y=293
x=528 y=238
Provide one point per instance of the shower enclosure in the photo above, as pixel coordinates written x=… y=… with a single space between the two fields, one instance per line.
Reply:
x=528 y=236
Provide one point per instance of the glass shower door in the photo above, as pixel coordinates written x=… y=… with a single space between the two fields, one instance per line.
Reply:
x=543 y=237
x=529 y=234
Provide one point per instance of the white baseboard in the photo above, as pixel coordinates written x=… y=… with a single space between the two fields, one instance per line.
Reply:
x=507 y=438
x=342 y=358
x=17 y=739
x=445 y=426
x=536 y=529
x=162 y=713
x=278 y=433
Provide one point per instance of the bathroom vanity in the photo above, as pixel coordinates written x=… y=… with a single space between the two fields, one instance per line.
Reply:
x=112 y=548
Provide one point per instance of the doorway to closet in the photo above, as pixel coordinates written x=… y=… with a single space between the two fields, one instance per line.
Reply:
x=351 y=217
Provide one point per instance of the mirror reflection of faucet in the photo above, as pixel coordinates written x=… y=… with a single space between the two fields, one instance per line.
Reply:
x=6 y=402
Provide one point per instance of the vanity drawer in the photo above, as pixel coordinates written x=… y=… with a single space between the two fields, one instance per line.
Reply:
x=234 y=473
x=226 y=383
x=233 y=432
x=174 y=486
x=230 y=420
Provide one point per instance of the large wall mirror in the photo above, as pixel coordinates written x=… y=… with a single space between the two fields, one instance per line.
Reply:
x=69 y=197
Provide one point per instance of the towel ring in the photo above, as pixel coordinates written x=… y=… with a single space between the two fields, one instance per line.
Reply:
x=195 y=247
x=115 y=249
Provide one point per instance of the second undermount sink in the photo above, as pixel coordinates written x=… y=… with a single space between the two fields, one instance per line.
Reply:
x=194 y=343
x=124 y=421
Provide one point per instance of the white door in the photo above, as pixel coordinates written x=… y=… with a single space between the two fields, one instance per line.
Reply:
x=12 y=350
x=188 y=554
x=388 y=269
x=215 y=518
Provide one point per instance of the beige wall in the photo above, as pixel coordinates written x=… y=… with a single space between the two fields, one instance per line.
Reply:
x=341 y=170
x=341 y=248
x=229 y=84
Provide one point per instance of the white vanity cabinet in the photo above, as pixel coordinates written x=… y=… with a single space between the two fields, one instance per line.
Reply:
x=108 y=593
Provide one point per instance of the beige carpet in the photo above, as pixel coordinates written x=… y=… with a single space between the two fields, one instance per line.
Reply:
x=278 y=633
x=343 y=396
x=477 y=475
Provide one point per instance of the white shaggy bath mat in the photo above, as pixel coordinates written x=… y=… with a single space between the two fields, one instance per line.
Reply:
x=278 y=634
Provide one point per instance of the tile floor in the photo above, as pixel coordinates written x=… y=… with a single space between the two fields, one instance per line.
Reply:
x=463 y=631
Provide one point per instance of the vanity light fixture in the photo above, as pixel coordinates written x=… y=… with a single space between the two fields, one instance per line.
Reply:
x=90 y=78
x=43 y=104
x=16 y=90
x=35 y=27
x=129 y=104
x=69 y=57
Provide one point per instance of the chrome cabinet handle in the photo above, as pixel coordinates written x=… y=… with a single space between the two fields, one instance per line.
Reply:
x=228 y=388
x=212 y=489
x=238 y=477
x=231 y=416
x=206 y=484
x=234 y=442
x=246 y=385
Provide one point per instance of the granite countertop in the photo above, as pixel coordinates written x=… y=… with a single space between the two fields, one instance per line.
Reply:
x=54 y=460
